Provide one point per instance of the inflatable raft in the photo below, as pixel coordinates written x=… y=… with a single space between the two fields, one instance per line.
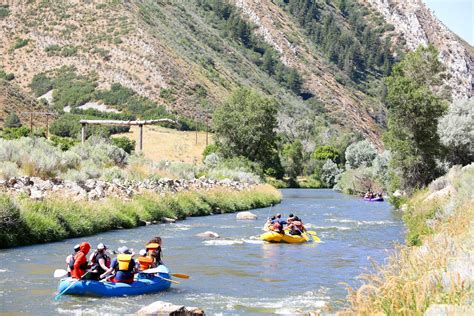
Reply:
x=272 y=236
x=144 y=283
x=379 y=199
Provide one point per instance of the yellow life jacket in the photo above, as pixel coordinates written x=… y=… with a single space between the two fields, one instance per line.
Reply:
x=152 y=245
x=124 y=261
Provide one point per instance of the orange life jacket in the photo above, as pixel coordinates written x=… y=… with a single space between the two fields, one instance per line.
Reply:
x=145 y=262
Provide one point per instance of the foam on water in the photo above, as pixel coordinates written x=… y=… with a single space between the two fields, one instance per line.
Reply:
x=3 y=270
x=359 y=223
x=222 y=242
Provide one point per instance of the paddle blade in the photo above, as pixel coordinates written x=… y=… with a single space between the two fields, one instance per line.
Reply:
x=169 y=280
x=59 y=273
x=180 y=275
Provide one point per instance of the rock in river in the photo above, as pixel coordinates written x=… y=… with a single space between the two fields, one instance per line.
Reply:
x=246 y=215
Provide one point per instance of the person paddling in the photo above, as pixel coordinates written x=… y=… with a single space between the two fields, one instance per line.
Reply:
x=100 y=262
x=144 y=261
x=296 y=226
x=123 y=267
x=80 y=261
x=278 y=224
x=70 y=260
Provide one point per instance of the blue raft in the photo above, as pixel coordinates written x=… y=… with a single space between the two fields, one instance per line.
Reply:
x=145 y=283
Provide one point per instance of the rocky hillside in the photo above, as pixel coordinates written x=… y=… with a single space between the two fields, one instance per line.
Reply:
x=321 y=59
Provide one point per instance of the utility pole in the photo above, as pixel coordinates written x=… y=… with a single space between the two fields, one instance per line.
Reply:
x=47 y=114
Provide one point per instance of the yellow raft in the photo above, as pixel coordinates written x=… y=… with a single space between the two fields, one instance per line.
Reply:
x=272 y=236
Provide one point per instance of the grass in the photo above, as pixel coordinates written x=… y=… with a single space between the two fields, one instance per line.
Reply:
x=24 y=222
x=161 y=143
x=418 y=275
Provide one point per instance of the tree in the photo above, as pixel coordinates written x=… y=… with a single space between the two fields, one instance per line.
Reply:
x=326 y=152
x=413 y=113
x=329 y=172
x=292 y=159
x=456 y=132
x=245 y=125
x=360 y=154
x=12 y=120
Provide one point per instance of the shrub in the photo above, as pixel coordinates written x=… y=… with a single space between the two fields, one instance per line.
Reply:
x=8 y=170
x=6 y=76
x=11 y=222
x=19 y=43
x=66 y=126
x=40 y=84
x=456 y=132
x=124 y=143
x=329 y=172
x=4 y=11
x=63 y=143
x=211 y=160
x=360 y=154
x=292 y=159
x=210 y=149
x=358 y=181
x=15 y=133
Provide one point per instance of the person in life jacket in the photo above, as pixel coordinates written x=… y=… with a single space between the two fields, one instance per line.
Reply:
x=153 y=250
x=278 y=224
x=80 y=261
x=296 y=226
x=100 y=262
x=269 y=224
x=123 y=266
x=70 y=260
x=144 y=261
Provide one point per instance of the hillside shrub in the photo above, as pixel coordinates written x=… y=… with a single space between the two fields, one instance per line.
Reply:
x=6 y=76
x=19 y=43
x=326 y=152
x=8 y=170
x=12 y=121
x=11 y=222
x=210 y=149
x=63 y=143
x=4 y=11
x=40 y=84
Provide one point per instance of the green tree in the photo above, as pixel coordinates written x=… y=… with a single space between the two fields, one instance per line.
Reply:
x=245 y=125
x=413 y=113
x=326 y=152
x=12 y=120
x=292 y=159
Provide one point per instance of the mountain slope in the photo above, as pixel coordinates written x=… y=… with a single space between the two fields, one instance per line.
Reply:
x=190 y=55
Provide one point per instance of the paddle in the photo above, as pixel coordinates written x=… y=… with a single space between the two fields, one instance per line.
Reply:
x=59 y=273
x=158 y=270
x=313 y=234
x=57 y=297
x=180 y=275
x=169 y=280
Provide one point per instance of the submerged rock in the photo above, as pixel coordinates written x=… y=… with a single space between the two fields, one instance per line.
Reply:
x=164 y=308
x=246 y=216
x=208 y=234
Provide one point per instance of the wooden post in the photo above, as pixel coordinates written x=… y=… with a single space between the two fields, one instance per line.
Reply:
x=207 y=130
x=140 y=141
x=31 y=123
x=47 y=126
x=196 y=127
x=83 y=133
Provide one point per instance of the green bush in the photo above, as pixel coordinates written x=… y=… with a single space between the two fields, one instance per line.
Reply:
x=15 y=133
x=40 y=84
x=19 y=43
x=11 y=222
x=210 y=149
x=4 y=11
x=326 y=152
x=64 y=143
x=125 y=143
x=6 y=76
x=12 y=121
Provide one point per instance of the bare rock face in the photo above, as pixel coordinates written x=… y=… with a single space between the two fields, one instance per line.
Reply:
x=419 y=26
x=208 y=234
x=246 y=216
x=161 y=308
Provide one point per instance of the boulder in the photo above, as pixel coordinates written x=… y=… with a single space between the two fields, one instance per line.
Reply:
x=36 y=194
x=160 y=308
x=246 y=216
x=168 y=220
x=208 y=234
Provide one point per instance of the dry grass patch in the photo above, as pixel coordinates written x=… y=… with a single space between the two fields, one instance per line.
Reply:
x=161 y=143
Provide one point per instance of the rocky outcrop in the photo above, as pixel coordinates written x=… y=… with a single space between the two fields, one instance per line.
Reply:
x=419 y=26
x=93 y=189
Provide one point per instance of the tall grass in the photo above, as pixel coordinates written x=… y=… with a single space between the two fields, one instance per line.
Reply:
x=25 y=222
x=416 y=276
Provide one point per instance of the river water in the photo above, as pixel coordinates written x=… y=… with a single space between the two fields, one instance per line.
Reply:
x=236 y=274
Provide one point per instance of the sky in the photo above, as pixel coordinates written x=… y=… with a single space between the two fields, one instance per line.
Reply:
x=457 y=15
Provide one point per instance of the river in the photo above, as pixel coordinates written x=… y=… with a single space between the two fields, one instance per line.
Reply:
x=236 y=274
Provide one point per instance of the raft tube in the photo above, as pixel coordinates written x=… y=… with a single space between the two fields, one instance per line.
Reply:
x=144 y=283
x=284 y=238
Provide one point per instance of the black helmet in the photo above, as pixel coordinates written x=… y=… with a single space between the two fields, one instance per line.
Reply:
x=291 y=215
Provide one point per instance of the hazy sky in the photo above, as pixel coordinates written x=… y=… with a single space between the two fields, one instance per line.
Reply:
x=457 y=15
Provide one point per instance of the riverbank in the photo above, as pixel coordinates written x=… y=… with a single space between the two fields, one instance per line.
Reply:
x=24 y=221
x=433 y=272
